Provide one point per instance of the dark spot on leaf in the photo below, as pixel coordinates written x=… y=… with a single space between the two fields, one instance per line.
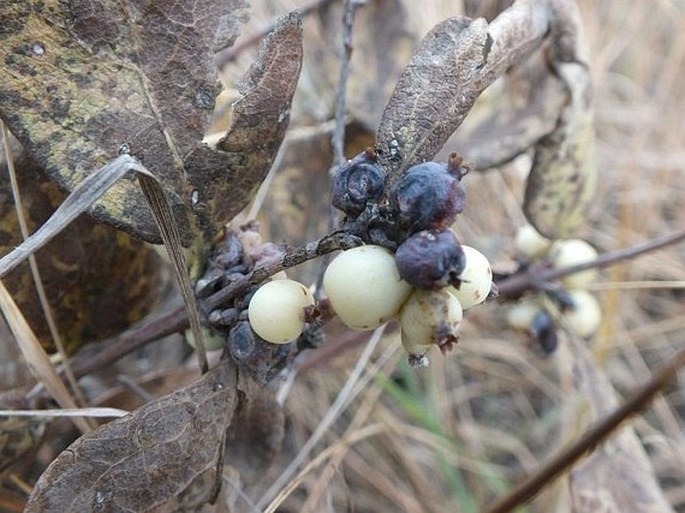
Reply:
x=60 y=108
x=204 y=98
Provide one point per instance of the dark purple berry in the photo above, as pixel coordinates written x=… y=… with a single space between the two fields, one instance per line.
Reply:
x=544 y=330
x=427 y=197
x=430 y=259
x=356 y=183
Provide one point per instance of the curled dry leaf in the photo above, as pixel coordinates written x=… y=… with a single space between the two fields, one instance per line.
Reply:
x=225 y=179
x=420 y=115
x=83 y=79
x=455 y=62
x=140 y=461
x=512 y=119
x=563 y=179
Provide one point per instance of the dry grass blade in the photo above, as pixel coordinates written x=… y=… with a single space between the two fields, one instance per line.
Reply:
x=36 y=357
x=66 y=412
x=172 y=240
x=341 y=446
x=35 y=272
x=80 y=199
x=336 y=408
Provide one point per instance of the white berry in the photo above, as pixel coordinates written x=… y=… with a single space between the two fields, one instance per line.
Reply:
x=276 y=310
x=476 y=279
x=429 y=317
x=586 y=317
x=565 y=253
x=213 y=341
x=521 y=315
x=364 y=287
x=530 y=244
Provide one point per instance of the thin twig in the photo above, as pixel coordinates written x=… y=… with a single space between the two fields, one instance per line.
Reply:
x=595 y=436
x=536 y=278
x=311 y=250
x=230 y=54
x=177 y=319
x=338 y=137
x=120 y=345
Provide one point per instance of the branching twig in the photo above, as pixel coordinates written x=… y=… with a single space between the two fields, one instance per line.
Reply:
x=536 y=278
x=338 y=137
x=177 y=320
x=595 y=436
x=228 y=55
x=311 y=250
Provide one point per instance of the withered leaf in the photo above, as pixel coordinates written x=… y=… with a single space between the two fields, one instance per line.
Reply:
x=518 y=115
x=563 y=179
x=83 y=78
x=455 y=62
x=136 y=463
x=421 y=113
x=226 y=178
x=98 y=280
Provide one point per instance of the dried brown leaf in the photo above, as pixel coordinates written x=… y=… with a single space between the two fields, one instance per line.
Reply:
x=225 y=179
x=136 y=463
x=455 y=62
x=525 y=109
x=419 y=116
x=98 y=280
x=563 y=179
x=83 y=78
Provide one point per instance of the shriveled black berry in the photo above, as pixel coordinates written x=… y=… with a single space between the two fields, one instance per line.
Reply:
x=356 y=183
x=544 y=330
x=430 y=259
x=428 y=196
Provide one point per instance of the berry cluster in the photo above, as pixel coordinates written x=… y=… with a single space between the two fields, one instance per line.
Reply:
x=257 y=328
x=414 y=267
x=578 y=309
x=411 y=217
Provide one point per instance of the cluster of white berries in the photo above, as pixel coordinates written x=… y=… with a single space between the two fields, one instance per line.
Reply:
x=365 y=291
x=583 y=315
